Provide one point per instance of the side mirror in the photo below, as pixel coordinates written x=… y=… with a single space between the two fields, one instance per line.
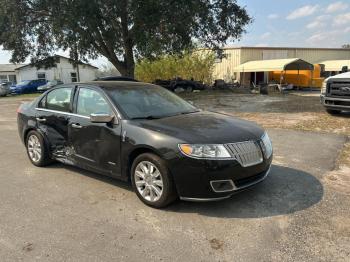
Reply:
x=101 y=118
x=191 y=102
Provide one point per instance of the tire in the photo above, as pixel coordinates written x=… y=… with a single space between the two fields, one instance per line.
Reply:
x=189 y=89
x=178 y=89
x=167 y=192
x=333 y=111
x=37 y=149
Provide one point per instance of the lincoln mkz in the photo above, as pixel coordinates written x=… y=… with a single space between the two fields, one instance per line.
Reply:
x=145 y=134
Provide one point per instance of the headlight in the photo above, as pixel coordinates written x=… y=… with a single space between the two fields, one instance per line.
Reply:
x=266 y=145
x=205 y=151
x=324 y=87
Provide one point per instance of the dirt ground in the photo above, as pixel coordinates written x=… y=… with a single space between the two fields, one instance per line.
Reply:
x=301 y=212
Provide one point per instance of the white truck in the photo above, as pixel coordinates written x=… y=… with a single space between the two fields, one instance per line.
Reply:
x=335 y=93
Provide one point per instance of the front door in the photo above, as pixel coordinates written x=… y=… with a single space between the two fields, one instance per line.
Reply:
x=96 y=145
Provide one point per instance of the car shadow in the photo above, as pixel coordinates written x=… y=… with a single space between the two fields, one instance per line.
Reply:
x=284 y=191
x=343 y=114
x=106 y=179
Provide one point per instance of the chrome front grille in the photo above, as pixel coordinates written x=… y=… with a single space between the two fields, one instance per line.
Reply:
x=340 y=89
x=247 y=153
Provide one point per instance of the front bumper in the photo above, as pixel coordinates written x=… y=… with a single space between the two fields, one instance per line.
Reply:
x=15 y=91
x=194 y=178
x=253 y=181
x=335 y=103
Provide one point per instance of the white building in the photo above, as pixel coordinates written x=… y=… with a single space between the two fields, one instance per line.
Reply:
x=7 y=72
x=62 y=70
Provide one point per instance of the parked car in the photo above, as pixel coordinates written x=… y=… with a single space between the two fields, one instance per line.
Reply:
x=145 y=134
x=179 y=84
x=335 y=93
x=50 y=84
x=5 y=88
x=27 y=86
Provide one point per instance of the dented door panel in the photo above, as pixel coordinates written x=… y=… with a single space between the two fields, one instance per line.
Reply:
x=95 y=145
x=55 y=127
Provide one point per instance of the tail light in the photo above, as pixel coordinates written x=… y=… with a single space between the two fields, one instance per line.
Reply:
x=19 y=109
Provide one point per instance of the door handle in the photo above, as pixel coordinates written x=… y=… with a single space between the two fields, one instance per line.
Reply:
x=41 y=119
x=77 y=125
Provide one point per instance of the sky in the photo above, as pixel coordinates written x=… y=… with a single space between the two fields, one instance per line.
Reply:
x=297 y=23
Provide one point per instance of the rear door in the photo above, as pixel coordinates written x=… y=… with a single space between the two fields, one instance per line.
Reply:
x=96 y=145
x=52 y=117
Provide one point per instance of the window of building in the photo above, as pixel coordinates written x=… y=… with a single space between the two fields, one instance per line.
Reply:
x=13 y=79
x=74 y=77
x=41 y=76
x=3 y=78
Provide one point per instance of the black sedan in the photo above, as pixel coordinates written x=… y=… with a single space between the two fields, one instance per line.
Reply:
x=145 y=134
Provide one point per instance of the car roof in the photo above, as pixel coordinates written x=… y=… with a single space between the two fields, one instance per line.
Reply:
x=116 y=78
x=110 y=85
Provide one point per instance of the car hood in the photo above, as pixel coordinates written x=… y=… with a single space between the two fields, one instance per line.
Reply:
x=205 y=127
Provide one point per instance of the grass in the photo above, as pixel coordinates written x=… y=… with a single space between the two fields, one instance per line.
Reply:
x=23 y=96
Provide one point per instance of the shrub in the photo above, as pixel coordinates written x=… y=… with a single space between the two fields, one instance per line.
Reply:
x=198 y=65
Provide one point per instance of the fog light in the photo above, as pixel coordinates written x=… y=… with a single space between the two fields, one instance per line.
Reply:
x=220 y=186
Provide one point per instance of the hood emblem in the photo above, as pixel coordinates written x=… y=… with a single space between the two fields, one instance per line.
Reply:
x=345 y=88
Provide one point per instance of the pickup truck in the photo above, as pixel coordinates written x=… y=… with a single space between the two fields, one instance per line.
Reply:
x=335 y=93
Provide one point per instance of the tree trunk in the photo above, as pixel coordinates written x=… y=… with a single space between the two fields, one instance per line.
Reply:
x=124 y=69
x=130 y=64
x=128 y=43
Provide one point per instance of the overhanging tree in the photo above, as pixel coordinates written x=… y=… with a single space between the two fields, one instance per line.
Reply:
x=120 y=30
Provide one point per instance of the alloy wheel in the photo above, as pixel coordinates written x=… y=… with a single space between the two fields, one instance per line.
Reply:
x=34 y=148
x=148 y=181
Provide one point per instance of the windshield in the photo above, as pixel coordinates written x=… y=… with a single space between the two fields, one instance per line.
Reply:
x=142 y=101
x=23 y=83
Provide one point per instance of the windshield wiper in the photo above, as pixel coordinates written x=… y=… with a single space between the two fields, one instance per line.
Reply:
x=150 y=117
x=189 y=112
x=146 y=117
x=185 y=113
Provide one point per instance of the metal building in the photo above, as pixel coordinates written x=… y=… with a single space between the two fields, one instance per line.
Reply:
x=233 y=57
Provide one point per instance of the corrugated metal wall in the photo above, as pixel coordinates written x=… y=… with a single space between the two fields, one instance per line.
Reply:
x=316 y=56
x=224 y=69
x=237 y=56
x=310 y=55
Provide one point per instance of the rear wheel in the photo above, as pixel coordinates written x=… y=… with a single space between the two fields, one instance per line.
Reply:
x=37 y=150
x=333 y=111
x=152 y=181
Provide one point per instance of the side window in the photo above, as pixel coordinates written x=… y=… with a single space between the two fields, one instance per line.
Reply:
x=92 y=102
x=59 y=99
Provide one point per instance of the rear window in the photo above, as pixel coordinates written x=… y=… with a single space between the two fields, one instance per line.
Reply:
x=58 y=99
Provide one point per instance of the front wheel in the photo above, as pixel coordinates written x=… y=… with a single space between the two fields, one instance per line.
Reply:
x=152 y=181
